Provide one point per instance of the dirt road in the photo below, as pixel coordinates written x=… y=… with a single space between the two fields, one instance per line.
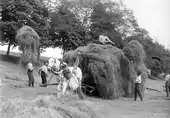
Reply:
x=155 y=104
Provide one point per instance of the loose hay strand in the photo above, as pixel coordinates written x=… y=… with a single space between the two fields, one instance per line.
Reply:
x=43 y=107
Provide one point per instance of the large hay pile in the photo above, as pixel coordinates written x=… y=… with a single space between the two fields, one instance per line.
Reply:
x=109 y=69
x=134 y=52
x=44 y=107
x=106 y=68
x=28 y=41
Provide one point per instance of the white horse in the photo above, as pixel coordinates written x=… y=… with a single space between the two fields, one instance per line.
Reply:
x=71 y=80
x=54 y=63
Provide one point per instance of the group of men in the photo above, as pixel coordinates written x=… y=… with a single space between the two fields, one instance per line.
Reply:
x=137 y=90
x=43 y=70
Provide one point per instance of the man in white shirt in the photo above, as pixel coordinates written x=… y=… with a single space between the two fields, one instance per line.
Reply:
x=73 y=83
x=43 y=71
x=138 y=87
x=167 y=84
x=167 y=77
x=30 y=69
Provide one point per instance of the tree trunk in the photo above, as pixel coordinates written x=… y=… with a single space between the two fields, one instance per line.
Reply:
x=9 y=46
x=38 y=56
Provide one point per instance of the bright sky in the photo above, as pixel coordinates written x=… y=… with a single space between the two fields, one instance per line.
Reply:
x=154 y=16
x=50 y=52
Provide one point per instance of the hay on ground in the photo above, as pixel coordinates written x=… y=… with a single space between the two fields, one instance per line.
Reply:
x=44 y=107
x=106 y=68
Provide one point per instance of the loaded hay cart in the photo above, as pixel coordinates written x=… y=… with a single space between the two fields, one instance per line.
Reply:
x=85 y=88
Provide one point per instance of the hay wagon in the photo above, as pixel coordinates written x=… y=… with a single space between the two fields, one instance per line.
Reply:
x=87 y=89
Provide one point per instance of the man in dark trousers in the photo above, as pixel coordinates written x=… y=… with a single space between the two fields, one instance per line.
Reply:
x=138 y=87
x=30 y=69
x=43 y=70
x=167 y=84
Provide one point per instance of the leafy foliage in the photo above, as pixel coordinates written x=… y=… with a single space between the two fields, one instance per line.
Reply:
x=17 y=13
x=73 y=23
x=152 y=49
x=104 y=22
x=67 y=30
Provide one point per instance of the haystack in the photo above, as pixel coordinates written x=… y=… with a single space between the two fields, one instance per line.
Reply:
x=28 y=41
x=106 y=68
x=135 y=53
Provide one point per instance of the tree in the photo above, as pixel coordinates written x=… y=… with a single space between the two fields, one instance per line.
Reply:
x=115 y=20
x=104 y=22
x=2 y=2
x=152 y=49
x=18 y=13
x=108 y=17
x=66 y=29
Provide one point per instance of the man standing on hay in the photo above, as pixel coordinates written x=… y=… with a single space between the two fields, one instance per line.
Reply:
x=30 y=69
x=138 y=87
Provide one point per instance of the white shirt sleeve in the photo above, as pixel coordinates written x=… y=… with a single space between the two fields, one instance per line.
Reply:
x=138 y=79
x=44 y=69
x=167 y=77
x=29 y=66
